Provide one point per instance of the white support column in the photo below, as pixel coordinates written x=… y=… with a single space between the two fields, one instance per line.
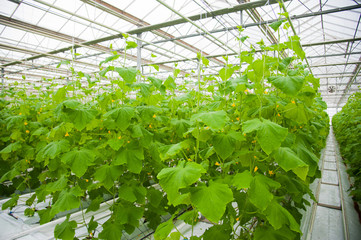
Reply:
x=139 y=55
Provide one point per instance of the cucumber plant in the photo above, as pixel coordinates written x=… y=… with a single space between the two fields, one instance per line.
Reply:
x=240 y=149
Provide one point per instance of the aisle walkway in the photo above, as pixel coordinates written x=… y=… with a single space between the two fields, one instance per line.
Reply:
x=333 y=217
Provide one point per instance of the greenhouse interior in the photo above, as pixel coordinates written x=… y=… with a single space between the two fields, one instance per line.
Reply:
x=194 y=119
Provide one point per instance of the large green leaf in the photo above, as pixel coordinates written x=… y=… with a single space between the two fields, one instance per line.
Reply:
x=163 y=230
x=128 y=74
x=128 y=213
x=53 y=149
x=181 y=126
x=79 y=160
x=12 y=147
x=295 y=44
x=242 y=180
x=58 y=185
x=267 y=232
x=73 y=111
x=215 y=120
x=111 y=231
x=270 y=135
x=290 y=85
x=133 y=157
x=224 y=145
x=68 y=199
x=218 y=232
x=168 y=151
x=308 y=157
x=107 y=175
x=211 y=200
x=132 y=192
x=278 y=216
x=288 y=160
x=226 y=72
x=121 y=116
x=297 y=113
x=259 y=191
x=181 y=176
x=65 y=230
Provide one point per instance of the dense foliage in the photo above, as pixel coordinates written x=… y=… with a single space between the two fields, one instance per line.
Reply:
x=240 y=148
x=347 y=128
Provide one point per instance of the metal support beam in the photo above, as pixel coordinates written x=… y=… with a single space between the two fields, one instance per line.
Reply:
x=335 y=64
x=196 y=25
x=350 y=82
x=334 y=55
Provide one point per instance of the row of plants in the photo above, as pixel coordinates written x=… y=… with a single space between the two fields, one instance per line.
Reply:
x=239 y=148
x=347 y=128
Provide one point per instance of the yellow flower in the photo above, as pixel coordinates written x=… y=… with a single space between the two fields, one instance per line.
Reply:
x=38 y=112
x=86 y=180
x=66 y=134
x=300 y=126
x=236 y=162
x=233 y=105
x=171 y=140
x=271 y=172
x=278 y=114
x=150 y=125
x=25 y=123
x=244 y=134
x=19 y=113
x=113 y=100
x=100 y=138
x=109 y=131
x=149 y=173
x=237 y=219
x=27 y=131
x=293 y=102
x=101 y=128
x=207 y=127
x=237 y=118
x=277 y=106
x=217 y=164
x=41 y=109
x=255 y=169
x=154 y=116
x=246 y=91
x=265 y=92
x=128 y=141
x=120 y=137
x=189 y=159
x=254 y=141
x=255 y=157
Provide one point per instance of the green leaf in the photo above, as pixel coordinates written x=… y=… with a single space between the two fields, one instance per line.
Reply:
x=218 y=232
x=73 y=112
x=271 y=135
x=121 y=116
x=95 y=204
x=276 y=25
x=58 y=185
x=295 y=45
x=278 y=216
x=68 y=199
x=174 y=236
x=297 y=113
x=224 y=145
x=211 y=200
x=128 y=213
x=181 y=176
x=12 y=202
x=226 y=72
x=259 y=191
x=181 y=126
x=133 y=192
x=290 y=85
x=53 y=149
x=242 y=180
x=107 y=175
x=133 y=157
x=251 y=125
x=163 y=230
x=267 y=232
x=111 y=231
x=79 y=160
x=12 y=147
x=215 y=120
x=170 y=83
x=169 y=151
x=65 y=230
x=92 y=225
x=109 y=59
x=288 y=160
x=128 y=74
x=131 y=44
x=115 y=143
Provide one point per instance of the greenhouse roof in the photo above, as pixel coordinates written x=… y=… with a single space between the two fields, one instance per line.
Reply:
x=36 y=35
